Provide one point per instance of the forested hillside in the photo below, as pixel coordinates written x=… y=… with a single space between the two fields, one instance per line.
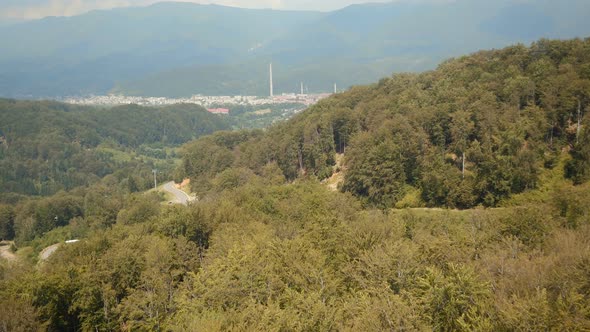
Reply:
x=501 y=134
x=46 y=147
x=473 y=132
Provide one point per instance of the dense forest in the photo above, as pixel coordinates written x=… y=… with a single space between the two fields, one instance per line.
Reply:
x=473 y=132
x=46 y=147
x=462 y=203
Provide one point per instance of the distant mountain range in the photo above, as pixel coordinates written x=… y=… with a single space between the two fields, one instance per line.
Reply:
x=181 y=49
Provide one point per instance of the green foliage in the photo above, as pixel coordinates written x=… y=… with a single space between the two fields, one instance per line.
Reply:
x=232 y=178
x=298 y=256
x=528 y=313
x=6 y=222
x=206 y=158
x=18 y=315
x=46 y=147
x=528 y=224
x=578 y=168
x=37 y=217
x=455 y=300
x=194 y=224
x=572 y=206
x=412 y=199
x=376 y=171
x=103 y=204
x=260 y=116
x=443 y=185
x=139 y=209
x=256 y=252
x=476 y=131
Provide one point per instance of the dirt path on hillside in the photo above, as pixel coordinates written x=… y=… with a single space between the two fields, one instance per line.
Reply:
x=5 y=251
x=45 y=253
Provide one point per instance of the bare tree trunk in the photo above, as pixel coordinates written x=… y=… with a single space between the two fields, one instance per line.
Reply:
x=300 y=158
x=579 y=120
x=463 y=168
x=7 y=139
x=551 y=134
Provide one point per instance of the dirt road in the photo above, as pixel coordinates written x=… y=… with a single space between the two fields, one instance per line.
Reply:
x=180 y=196
x=5 y=251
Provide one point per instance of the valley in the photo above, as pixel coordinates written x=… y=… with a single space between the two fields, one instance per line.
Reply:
x=454 y=199
x=407 y=166
x=177 y=50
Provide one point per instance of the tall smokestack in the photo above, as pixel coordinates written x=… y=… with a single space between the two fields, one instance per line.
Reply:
x=301 y=87
x=335 y=88
x=271 y=92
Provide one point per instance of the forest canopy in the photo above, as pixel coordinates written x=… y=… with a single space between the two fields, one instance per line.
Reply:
x=48 y=146
x=463 y=205
x=476 y=131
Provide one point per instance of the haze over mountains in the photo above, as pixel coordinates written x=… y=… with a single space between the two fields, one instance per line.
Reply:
x=181 y=49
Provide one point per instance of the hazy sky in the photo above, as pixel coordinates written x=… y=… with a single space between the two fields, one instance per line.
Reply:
x=31 y=9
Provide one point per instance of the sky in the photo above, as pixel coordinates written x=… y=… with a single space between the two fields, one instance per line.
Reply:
x=34 y=9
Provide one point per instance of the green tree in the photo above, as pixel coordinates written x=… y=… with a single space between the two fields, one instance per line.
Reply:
x=455 y=299
x=375 y=171
x=578 y=168
x=7 y=216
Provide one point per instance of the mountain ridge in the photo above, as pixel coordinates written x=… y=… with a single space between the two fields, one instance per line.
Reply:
x=136 y=50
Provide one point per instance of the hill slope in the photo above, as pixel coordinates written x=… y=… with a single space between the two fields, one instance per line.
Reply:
x=475 y=131
x=259 y=253
x=46 y=147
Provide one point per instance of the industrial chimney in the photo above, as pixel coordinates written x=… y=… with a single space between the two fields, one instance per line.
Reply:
x=271 y=92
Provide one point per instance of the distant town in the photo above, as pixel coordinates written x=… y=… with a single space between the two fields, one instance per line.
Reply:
x=205 y=101
x=212 y=103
